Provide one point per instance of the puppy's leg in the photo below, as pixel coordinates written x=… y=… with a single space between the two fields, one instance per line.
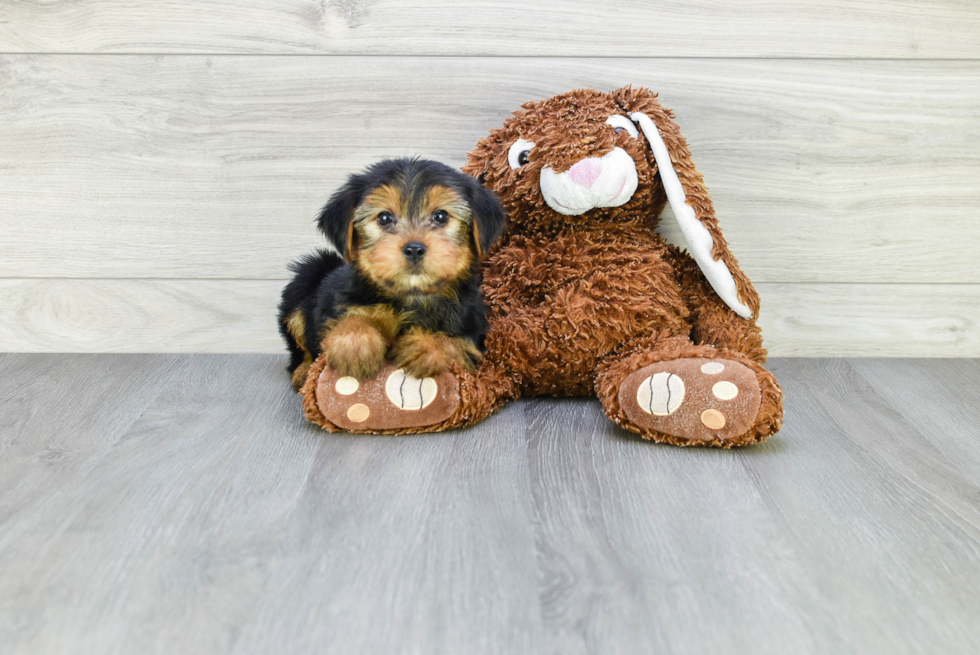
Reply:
x=426 y=354
x=461 y=397
x=295 y=307
x=356 y=344
x=300 y=357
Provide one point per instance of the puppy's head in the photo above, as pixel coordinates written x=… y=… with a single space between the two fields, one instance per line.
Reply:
x=411 y=226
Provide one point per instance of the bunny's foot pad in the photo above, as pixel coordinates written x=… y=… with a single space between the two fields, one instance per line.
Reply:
x=697 y=399
x=390 y=401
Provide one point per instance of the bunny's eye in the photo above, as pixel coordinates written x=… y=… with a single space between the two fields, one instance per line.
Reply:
x=621 y=123
x=519 y=153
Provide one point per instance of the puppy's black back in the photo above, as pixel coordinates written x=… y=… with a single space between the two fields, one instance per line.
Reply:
x=301 y=294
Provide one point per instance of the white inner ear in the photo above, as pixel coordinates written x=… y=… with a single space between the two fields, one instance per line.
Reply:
x=699 y=241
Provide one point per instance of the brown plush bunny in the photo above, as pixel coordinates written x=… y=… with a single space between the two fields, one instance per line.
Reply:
x=586 y=298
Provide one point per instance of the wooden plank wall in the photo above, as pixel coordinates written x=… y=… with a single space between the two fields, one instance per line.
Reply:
x=161 y=161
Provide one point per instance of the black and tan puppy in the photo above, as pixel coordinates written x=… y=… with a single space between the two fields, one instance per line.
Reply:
x=404 y=283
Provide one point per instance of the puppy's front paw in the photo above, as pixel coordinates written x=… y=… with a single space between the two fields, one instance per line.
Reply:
x=427 y=354
x=355 y=350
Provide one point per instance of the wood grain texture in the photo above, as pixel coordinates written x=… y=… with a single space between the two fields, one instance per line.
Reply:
x=871 y=320
x=920 y=390
x=139 y=316
x=798 y=320
x=710 y=28
x=220 y=521
x=214 y=167
x=165 y=504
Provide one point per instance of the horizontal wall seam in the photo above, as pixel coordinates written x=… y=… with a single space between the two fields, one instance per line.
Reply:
x=483 y=56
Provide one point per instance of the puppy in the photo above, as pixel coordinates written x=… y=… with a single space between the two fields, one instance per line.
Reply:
x=409 y=236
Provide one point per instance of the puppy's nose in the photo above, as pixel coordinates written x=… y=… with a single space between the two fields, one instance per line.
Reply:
x=414 y=251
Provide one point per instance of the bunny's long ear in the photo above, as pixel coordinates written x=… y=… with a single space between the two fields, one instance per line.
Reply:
x=692 y=207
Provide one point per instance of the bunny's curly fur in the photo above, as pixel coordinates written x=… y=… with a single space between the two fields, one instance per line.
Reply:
x=579 y=302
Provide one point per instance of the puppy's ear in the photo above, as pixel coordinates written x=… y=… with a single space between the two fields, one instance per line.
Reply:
x=487 y=214
x=336 y=220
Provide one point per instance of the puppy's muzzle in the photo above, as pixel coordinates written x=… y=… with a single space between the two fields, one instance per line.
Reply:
x=414 y=251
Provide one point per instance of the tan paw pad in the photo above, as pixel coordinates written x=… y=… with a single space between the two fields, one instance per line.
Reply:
x=358 y=413
x=713 y=419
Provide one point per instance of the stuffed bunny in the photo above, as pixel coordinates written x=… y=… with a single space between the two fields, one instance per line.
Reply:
x=586 y=298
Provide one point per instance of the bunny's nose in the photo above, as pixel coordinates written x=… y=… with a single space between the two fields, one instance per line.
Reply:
x=586 y=172
x=414 y=251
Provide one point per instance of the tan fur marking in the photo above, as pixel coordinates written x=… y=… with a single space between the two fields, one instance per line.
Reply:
x=296 y=326
x=475 y=228
x=299 y=375
x=385 y=197
x=356 y=343
x=385 y=319
x=446 y=199
x=384 y=261
x=349 y=251
x=448 y=259
x=380 y=252
x=426 y=354
x=364 y=226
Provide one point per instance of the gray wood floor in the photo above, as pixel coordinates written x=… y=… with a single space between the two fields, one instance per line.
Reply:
x=180 y=504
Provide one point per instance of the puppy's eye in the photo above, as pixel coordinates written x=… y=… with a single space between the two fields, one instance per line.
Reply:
x=440 y=217
x=519 y=153
x=622 y=123
x=385 y=218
